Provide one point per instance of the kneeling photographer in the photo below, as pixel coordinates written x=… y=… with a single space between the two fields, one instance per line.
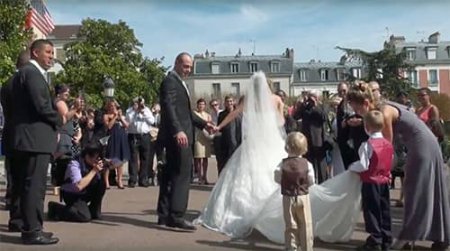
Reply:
x=83 y=188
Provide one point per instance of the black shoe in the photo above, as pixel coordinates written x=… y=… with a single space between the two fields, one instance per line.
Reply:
x=38 y=238
x=131 y=184
x=162 y=221
x=182 y=225
x=14 y=228
x=438 y=245
x=369 y=247
x=144 y=184
x=52 y=208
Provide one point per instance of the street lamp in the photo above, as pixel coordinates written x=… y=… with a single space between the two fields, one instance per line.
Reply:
x=108 y=87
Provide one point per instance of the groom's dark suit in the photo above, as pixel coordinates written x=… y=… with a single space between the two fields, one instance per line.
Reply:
x=176 y=116
x=33 y=124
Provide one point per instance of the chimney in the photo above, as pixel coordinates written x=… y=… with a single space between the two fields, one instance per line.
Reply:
x=239 y=53
x=207 y=54
x=434 y=38
x=396 y=40
x=213 y=54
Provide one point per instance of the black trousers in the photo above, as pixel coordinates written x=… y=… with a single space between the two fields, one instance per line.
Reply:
x=175 y=183
x=13 y=193
x=82 y=207
x=155 y=148
x=139 y=149
x=377 y=213
x=30 y=183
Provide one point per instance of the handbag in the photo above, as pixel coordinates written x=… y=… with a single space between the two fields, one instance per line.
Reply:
x=153 y=133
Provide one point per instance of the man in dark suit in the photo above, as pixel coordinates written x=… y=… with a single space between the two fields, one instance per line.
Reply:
x=176 y=134
x=15 y=223
x=231 y=134
x=34 y=121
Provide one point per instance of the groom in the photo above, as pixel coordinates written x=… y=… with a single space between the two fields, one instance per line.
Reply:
x=177 y=136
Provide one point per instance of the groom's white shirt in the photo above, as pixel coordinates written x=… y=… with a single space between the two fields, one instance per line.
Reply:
x=365 y=153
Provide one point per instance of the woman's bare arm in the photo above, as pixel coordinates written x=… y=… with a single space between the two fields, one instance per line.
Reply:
x=231 y=116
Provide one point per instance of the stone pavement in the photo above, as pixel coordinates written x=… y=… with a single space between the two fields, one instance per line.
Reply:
x=129 y=223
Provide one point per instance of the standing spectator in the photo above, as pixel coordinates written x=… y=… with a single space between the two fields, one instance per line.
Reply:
x=215 y=110
x=350 y=128
x=140 y=118
x=202 y=145
x=427 y=111
x=313 y=120
x=87 y=128
x=177 y=136
x=117 y=147
x=12 y=203
x=376 y=91
x=155 y=148
x=34 y=119
x=230 y=138
x=290 y=124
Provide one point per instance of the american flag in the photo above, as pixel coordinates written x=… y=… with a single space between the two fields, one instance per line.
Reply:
x=39 y=17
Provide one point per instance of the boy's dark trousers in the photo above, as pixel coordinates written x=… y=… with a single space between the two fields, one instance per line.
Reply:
x=377 y=213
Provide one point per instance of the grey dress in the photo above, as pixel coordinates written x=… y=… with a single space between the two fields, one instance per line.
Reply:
x=427 y=206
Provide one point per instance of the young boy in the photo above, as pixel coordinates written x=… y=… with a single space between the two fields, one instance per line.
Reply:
x=296 y=175
x=374 y=167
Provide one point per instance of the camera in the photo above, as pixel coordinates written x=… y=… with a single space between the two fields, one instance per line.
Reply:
x=309 y=103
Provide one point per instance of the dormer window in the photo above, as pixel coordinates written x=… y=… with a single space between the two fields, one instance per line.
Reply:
x=323 y=74
x=411 y=53
x=253 y=67
x=302 y=74
x=215 y=68
x=274 y=66
x=356 y=72
x=431 y=53
x=234 y=67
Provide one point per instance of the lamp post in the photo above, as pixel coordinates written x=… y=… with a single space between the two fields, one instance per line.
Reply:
x=108 y=88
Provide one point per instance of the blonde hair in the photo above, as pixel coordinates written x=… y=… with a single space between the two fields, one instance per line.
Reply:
x=374 y=120
x=359 y=92
x=296 y=143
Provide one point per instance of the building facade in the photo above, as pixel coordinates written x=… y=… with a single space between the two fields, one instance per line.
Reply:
x=431 y=61
x=217 y=76
x=323 y=76
x=60 y=36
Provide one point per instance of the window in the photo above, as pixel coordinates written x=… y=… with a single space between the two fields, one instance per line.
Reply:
x=432 y=78
x=61 y=54
x=303 y=75
x=234 y=67
x=253 y=67
x=275 y=67
x=216 y=90
x=323 y=74
x=276 y=86
x=412 y=77
x=237 y=89
x=340 y=74
x=431 y=53
x=410 y=53
x=356 y=72
x=215 y=69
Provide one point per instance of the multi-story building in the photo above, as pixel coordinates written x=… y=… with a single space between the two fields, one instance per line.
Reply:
x=216 y=76
x=431 y=61
x=323 y=76
x=60 y=36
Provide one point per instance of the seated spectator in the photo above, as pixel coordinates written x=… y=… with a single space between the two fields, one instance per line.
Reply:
x=83 y=188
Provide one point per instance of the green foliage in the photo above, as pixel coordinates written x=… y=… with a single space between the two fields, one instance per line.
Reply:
x=110 y=50
x=385 y=67
x=13 y=35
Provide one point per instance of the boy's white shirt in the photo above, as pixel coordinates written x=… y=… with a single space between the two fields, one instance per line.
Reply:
x=365 y=153
x=311 y=178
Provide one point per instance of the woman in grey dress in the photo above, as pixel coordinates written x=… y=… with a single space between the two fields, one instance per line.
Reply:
x=427 y=206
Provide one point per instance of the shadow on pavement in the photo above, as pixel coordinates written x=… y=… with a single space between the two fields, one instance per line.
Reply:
x=244 y=245
x=202 y=187
x=190 y=214
x=11 y=239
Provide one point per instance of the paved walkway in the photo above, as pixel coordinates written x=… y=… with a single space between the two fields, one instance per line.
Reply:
x=129 y=223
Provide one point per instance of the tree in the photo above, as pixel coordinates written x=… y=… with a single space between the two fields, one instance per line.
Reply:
x=385 y=67
x=14 y=37
x=109 y=50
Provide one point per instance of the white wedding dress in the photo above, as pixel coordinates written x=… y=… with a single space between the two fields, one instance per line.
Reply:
x=246 y=195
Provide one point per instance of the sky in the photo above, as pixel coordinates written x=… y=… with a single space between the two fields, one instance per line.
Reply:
x=313 y=28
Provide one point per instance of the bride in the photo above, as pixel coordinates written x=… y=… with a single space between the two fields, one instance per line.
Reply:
x=247 y=197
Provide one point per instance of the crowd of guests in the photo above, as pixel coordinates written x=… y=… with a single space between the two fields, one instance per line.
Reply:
x=92 y=146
